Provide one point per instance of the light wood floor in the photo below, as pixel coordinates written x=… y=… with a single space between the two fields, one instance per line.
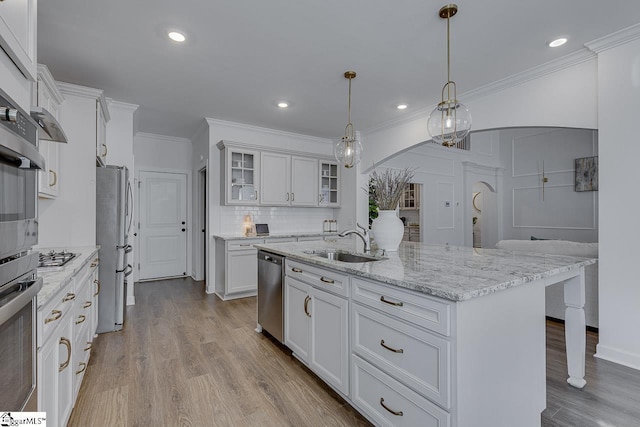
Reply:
x=186 y=358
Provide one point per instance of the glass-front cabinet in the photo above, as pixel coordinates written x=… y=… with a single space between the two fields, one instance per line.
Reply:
x=242 y=176
x=411 y=197
x=329 y=183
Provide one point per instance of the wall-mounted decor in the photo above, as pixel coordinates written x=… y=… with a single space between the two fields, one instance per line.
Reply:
x=587 y=174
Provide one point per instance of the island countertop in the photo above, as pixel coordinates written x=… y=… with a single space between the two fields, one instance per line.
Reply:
x=450 y=272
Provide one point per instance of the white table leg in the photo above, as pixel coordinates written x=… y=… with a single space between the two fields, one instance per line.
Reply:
x=575 y=329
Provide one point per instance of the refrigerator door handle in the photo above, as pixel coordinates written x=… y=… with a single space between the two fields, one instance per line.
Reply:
x=129 y=209
x=128 y=270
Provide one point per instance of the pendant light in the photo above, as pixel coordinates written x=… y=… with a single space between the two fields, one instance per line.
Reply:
x=348 y=150
x=450 y=121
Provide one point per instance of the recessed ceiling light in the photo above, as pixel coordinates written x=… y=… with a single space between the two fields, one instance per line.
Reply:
x=283 y=104
x=402 y=106
x=558 y=42
x=176 y=36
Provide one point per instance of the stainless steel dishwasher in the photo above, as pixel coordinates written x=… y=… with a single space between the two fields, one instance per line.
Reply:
x=270 y=295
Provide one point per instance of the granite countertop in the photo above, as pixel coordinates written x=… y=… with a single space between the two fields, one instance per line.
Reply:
x=449 y=272
x=54 y=280
x=238 y=236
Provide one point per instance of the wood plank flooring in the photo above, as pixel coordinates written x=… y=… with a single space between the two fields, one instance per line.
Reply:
x=186 y=358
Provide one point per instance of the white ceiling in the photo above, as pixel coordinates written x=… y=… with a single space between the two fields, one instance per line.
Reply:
x=242 y=56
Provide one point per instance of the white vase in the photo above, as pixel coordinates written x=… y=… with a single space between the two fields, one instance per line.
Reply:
x=387 y=230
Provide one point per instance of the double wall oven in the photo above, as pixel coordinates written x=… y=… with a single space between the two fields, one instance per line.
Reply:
x=19 y=284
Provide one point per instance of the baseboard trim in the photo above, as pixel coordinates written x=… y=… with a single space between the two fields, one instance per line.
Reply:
x=615 y=355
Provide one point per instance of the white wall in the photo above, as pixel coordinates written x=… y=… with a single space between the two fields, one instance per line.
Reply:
x=619 y=286
x=444 y=208
x=70 y=219
x=562 y=213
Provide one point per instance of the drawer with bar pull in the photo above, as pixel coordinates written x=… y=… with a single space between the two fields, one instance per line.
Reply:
x=327 y=280
x=420 y=309
x=418 y=358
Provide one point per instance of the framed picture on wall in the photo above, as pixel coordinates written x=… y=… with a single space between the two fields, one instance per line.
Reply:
x=587 y=174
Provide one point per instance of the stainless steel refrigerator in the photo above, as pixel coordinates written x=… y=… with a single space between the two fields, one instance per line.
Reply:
x=114 y=202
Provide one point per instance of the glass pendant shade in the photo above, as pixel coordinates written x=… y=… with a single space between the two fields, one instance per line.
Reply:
x=449 y=123
x=348 y=151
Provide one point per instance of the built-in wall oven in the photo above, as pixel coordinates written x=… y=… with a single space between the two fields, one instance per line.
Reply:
x=19 y=284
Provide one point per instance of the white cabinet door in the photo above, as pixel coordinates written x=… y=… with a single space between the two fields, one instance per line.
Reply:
x=48 y=380
x=329 y=355
x=18 y=22
x=101 y=134
x=65 y=374
x=304 y=181
x=242 y=271
x=242 y=176
x=48 y=185
x=329 y=184
x=275 y=179
x=296 y=317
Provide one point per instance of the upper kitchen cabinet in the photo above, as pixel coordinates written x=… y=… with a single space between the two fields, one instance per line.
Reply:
x=288 y=180
x=241 y=175
x=18 y=30
x=49 y=97
x=329 y=191
x=410 y=197
x=102 y=117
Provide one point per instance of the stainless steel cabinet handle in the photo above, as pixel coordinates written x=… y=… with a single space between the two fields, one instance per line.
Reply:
x=95 y=262
x=56 y=315
x=287 y=197
x=325 y=280
x=81 y=319
x=397 y=304
x=391 y=349
x=319 y=198
x=296 y=270
x=105 y=150
x=88 y=347
x=55 y=178
x=65 y=341
x=293 y=197
x=83 y=367
x=87 y=304
x=396 y=413
x=97 y=282
x=70 y=296
x=306 y=305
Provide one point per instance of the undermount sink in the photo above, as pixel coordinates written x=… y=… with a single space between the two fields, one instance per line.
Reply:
x=336 y=255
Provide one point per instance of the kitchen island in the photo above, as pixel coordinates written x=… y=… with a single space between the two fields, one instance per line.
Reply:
x=431 y=335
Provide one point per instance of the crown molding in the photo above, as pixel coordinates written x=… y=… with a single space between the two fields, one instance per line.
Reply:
x=315 y=139
x=87 y=92
x=517 y=79
x=45 y=75
x=122 y=105
x=163 y=138
x=614 y=39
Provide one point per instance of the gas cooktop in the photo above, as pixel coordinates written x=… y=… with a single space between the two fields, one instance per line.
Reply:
x=55 y=259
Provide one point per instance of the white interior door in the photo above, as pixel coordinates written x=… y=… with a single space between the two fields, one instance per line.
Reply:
x=163 y=225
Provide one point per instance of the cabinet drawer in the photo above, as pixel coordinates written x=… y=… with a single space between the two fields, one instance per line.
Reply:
x=279 y=240
x=327 y=280
x=418 y=358
x=238 y=245
x=389 y=403
x=55 y=311
x=422 y=310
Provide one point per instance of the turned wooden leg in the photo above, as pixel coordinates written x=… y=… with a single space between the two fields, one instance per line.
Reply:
x=575 y=329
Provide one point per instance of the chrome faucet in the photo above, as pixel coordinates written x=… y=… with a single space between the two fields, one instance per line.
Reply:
x=364 y=235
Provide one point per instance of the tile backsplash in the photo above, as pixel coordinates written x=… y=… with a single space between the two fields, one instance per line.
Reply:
x=280 y=219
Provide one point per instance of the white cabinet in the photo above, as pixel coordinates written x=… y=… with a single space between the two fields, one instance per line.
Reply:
x=411 y=197
x=49 y=97
x=64 y=342
x=329 y=184
x=317 y=322
x=18 y=22
x=102 y=117
x=288 y=180
x=236 y=272
x=241 y=176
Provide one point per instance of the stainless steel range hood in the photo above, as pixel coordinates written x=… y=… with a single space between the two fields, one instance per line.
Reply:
x=52 y=131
